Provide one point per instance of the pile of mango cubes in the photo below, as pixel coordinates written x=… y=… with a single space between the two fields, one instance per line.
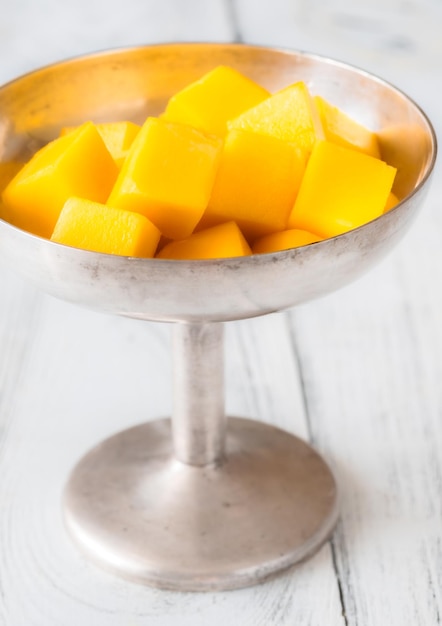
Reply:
x=227 y=170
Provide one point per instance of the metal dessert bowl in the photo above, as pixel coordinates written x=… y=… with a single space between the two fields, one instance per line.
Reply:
x=201 y=502
x=132 y=83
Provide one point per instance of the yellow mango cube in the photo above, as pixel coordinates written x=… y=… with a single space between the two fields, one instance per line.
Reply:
x=341 y=190
x=339 y=128
x=290 y=115
x=168 y=176
x=78 y=164
x=224 y=240
x=207 y=104
x=284 y=240
x=392 y=201
x=94 y=226
x=117 y=136
x=256 y=183
x=8 y=169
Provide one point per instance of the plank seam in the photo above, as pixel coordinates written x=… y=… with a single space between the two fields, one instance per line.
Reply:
x=298 y=362
x=338 y=580
x=232 y=15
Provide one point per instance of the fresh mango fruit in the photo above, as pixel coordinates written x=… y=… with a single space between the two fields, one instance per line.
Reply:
x=341 y=190
x=94 y=226
x=117 y=136
x=78 y=164
x=220 y=95
x=339 y=128
x=225 y=167
x=168 y=176
x=392 y=201
x=290 y=115
x=256 y=183
x=284 y=240
x=224 y=240
x=8 y=169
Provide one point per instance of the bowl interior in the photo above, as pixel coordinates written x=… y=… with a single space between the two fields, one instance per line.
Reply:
x=130 y=84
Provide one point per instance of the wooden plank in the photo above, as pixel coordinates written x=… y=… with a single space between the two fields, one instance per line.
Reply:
x=370 y=371
x=371 y=363
x=390 y=38
x=37 y=33
x=19 y=318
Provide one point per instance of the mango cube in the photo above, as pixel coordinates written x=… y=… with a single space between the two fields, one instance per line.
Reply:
x=290 y=115
x=78 y=164
x=341 y=190
x=225 y=167
x=392 y=201
x=256 y=183
x=207 y=104
x=168 y=176
x=117 y=137
x=284 y=240
x=8 y=169
x=344 y=131
x=94 y=226
x=224 y=240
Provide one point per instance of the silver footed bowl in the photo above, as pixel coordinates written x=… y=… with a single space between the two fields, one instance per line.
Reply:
x=200 y=502
x=130 y=84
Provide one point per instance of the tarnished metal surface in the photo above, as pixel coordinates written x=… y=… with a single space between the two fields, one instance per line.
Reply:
x=140 y=513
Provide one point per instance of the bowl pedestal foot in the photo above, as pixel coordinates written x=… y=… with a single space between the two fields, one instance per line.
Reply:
x=200 y=502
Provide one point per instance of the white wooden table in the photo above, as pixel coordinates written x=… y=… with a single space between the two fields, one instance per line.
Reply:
x=358 y=373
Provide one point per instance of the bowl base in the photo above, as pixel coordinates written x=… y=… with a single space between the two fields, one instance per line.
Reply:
x=138 y=512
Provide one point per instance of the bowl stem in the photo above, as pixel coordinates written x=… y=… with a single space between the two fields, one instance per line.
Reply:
x=198 y=418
